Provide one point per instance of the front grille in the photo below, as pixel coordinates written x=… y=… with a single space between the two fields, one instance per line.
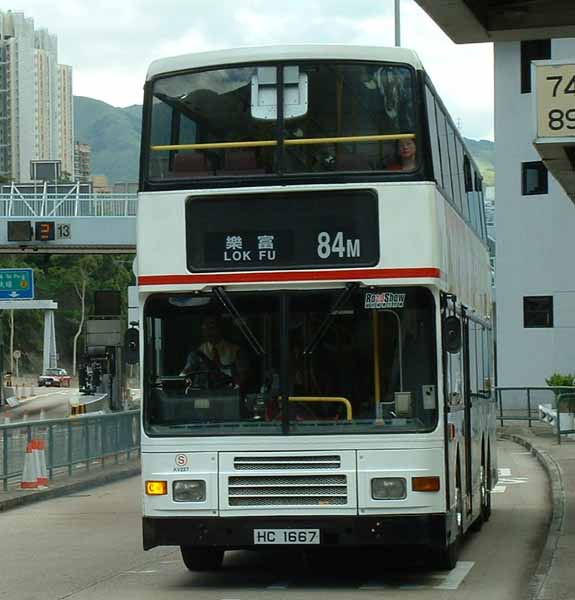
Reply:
x=296 y=490
x=288 y=502
x=274 y=463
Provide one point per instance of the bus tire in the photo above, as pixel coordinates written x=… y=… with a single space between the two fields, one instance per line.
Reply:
x=447 y=556
x=202 y=559
x=478 y=523
x=489 y=483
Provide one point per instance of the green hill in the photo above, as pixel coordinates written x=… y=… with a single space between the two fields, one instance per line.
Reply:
x=483 y=151
x=114 y=135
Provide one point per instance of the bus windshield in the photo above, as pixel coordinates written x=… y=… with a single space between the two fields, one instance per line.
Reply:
x=348 y=360
x=333 y=116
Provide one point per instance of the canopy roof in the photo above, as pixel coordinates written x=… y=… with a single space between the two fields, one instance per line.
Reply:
x=467 y=21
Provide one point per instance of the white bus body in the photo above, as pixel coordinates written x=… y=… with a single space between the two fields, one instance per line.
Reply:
x=307 y=489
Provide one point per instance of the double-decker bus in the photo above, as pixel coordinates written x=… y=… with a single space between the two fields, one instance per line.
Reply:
x=315 y=294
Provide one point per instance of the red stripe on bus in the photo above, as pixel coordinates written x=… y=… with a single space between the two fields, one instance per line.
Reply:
x=271 y=277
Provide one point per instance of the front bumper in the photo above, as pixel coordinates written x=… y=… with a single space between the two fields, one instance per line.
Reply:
x=237 y=532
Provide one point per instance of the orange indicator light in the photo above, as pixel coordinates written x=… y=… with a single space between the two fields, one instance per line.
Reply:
x=156 y=488
x=425 y=484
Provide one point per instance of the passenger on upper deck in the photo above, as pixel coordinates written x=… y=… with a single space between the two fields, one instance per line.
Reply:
x=406 y=151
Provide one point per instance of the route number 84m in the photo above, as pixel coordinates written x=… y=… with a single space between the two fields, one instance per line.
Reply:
x=339 y=245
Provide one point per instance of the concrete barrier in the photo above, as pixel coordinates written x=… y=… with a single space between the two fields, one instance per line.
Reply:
x=81 y=405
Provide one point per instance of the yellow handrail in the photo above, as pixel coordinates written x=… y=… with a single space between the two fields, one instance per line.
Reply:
x=290 y=142
x=352 y=138
x=376 y=364
x=215 y=145
x=340 y=400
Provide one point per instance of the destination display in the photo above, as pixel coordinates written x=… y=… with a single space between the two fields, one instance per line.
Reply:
x=326 y=229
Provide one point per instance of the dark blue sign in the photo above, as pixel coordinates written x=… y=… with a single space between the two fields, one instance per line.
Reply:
x=16 y=284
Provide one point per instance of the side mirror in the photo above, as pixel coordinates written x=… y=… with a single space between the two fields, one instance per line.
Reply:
x=452 y=335
x=132 y=346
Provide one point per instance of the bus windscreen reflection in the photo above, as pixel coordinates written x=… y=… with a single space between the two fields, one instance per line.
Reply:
x=346 y=360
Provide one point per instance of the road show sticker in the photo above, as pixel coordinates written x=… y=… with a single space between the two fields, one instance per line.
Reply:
x=384 y=300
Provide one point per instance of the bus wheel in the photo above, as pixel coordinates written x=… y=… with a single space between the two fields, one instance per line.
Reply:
x=488 y=483
x=202 y=559
x=485 y=499
x=446 y=557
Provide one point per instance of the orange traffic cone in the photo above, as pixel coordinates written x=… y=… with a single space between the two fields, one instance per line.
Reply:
x=40 y=459
x=30 y=475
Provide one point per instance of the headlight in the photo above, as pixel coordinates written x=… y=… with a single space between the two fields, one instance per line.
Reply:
x=191 y=490
x=388 y=488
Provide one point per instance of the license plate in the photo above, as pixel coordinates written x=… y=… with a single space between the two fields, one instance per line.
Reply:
x=286 y=536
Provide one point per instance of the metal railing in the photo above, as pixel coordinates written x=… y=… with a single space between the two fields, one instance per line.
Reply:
x=522 y=403
x=69 y=442
x=68 y=205
x=565 y=401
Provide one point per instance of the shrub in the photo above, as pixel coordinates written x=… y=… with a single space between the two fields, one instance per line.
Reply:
x=557 y=379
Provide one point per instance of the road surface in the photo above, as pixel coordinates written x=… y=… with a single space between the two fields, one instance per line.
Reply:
x=88 y=547
x=51 y=403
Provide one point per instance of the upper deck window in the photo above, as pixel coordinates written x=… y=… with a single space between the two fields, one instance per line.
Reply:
x=283 y=120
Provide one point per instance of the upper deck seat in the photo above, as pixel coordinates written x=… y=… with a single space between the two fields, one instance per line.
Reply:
x=192 y=164
x=241 y=162
x=347 y=161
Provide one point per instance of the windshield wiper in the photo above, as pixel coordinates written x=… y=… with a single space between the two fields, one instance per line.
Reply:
x=224 y=298
x=326 y=324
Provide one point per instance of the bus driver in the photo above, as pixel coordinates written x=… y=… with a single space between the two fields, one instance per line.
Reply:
x=223 y=356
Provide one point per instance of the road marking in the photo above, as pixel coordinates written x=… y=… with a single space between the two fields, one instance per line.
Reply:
x=499 y=489
x=456 y=576
x=142 y=572
x=280 y=585
x=512 y=480
x=505 y=472
x=441 y=581
x=374 y=585
x=519 y=453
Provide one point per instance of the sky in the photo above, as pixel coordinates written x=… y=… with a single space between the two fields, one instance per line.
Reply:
x=110 y=43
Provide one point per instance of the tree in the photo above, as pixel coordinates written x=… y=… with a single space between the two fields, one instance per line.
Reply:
x=80 y=287
x=71 y=282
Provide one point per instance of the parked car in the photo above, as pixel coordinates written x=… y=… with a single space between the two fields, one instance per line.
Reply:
x=54 y=378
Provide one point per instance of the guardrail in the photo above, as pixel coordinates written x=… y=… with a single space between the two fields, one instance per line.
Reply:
x=72 y=205
x=522 y=403
x=69 y=442
x=562 y=420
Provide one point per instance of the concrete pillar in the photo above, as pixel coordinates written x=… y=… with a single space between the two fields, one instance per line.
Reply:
x=50 y=358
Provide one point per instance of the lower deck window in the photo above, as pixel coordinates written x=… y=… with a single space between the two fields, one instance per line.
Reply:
x=331 y=361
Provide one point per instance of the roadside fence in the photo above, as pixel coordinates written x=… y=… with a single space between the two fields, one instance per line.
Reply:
x=71 y=443
x=522 y=404
x=565 y=416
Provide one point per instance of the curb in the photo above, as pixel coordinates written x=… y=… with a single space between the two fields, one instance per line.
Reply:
x=558 y=502
x=68 y=488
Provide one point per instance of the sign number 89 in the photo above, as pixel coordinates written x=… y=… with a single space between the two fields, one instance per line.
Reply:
x=559 y=119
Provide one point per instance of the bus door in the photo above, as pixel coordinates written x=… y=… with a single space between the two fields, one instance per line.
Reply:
x=467 y=404
x=456 y=417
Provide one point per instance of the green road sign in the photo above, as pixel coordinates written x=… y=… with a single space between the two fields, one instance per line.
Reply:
x=16 y=284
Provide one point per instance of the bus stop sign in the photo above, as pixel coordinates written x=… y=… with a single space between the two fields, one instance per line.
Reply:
x=16 y=284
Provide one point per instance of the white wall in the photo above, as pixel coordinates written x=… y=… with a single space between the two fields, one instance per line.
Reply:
x=535 y=237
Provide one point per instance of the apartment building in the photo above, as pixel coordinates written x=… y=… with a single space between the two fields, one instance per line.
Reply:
x=36 y=111
x=83 y=162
